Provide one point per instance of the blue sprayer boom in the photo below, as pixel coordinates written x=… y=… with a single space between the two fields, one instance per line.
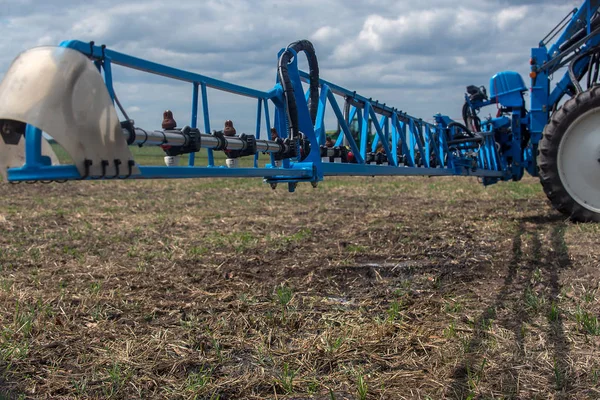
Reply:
x=68 y=92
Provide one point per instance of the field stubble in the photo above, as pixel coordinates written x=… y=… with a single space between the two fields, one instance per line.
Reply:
x=362 y=288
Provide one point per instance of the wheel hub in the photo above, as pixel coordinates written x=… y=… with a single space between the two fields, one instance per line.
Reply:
x=579 y=160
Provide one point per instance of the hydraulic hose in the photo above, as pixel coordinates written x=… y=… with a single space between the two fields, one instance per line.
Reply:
x=591 y=68
x=288 y=90
x=575 y=79
x=460 y=126
x=466 y=114
x=594 y=65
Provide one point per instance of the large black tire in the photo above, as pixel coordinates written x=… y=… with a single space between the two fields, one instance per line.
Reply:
x=570 y=198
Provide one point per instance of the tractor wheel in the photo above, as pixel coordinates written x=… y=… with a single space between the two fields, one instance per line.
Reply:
x=569 y=157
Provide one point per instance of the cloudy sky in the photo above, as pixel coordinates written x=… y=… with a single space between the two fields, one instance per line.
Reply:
x=417 y=55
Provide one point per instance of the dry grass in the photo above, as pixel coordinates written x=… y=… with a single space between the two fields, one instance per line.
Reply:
x=362 y=288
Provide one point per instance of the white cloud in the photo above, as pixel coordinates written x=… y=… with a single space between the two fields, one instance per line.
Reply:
x=460 y=60
x=417 y=56
x=509 y=16
x=325 y=33
x=133 y=109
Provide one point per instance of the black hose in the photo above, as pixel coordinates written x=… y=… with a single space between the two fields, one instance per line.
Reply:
x=288 y=90
x=347 y=111
x=346 y=114
x=466 y=114
x=589 y=68
x=596 y=68
x=593 y=54
x=575 y=79
x=461 y=126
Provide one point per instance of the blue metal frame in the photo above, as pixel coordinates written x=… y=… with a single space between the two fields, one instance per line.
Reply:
x=411 y=146
x=519 y=155
x=543 y=98
x=408 y=135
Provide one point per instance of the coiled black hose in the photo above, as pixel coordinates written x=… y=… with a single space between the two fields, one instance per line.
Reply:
x=288 y=90
x=575 y=79
x=468 y=115
x=591 y=68
x=466 y=130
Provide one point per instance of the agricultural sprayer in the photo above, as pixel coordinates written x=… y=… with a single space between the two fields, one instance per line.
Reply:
x=68 y=92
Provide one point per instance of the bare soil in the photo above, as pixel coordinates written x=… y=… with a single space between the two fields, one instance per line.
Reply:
x=399 y=288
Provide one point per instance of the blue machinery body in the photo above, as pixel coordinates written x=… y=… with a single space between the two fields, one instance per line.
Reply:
x=499 y=148
x=410 y=135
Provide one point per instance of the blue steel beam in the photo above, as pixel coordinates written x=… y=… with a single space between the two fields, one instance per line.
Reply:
x=351 y=115
x=364 y=132
x=194 y=119
x=579 y=20
x=69 y=172
x=343 y=125
x=337 y=169
x=258 y=123
x=407 y=133
x=382 y=138
x=160 y=69
x=302 y=171
x=206 y=117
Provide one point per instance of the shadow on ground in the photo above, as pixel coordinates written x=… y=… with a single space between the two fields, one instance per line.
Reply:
x=538 y=250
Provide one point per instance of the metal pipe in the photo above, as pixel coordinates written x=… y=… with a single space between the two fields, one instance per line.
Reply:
x=176 y=138
x=155 y=138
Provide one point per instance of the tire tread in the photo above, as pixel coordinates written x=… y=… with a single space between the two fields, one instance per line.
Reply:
x=548 y=155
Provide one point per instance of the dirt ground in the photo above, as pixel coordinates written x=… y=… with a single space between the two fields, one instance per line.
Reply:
x=364 y=288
